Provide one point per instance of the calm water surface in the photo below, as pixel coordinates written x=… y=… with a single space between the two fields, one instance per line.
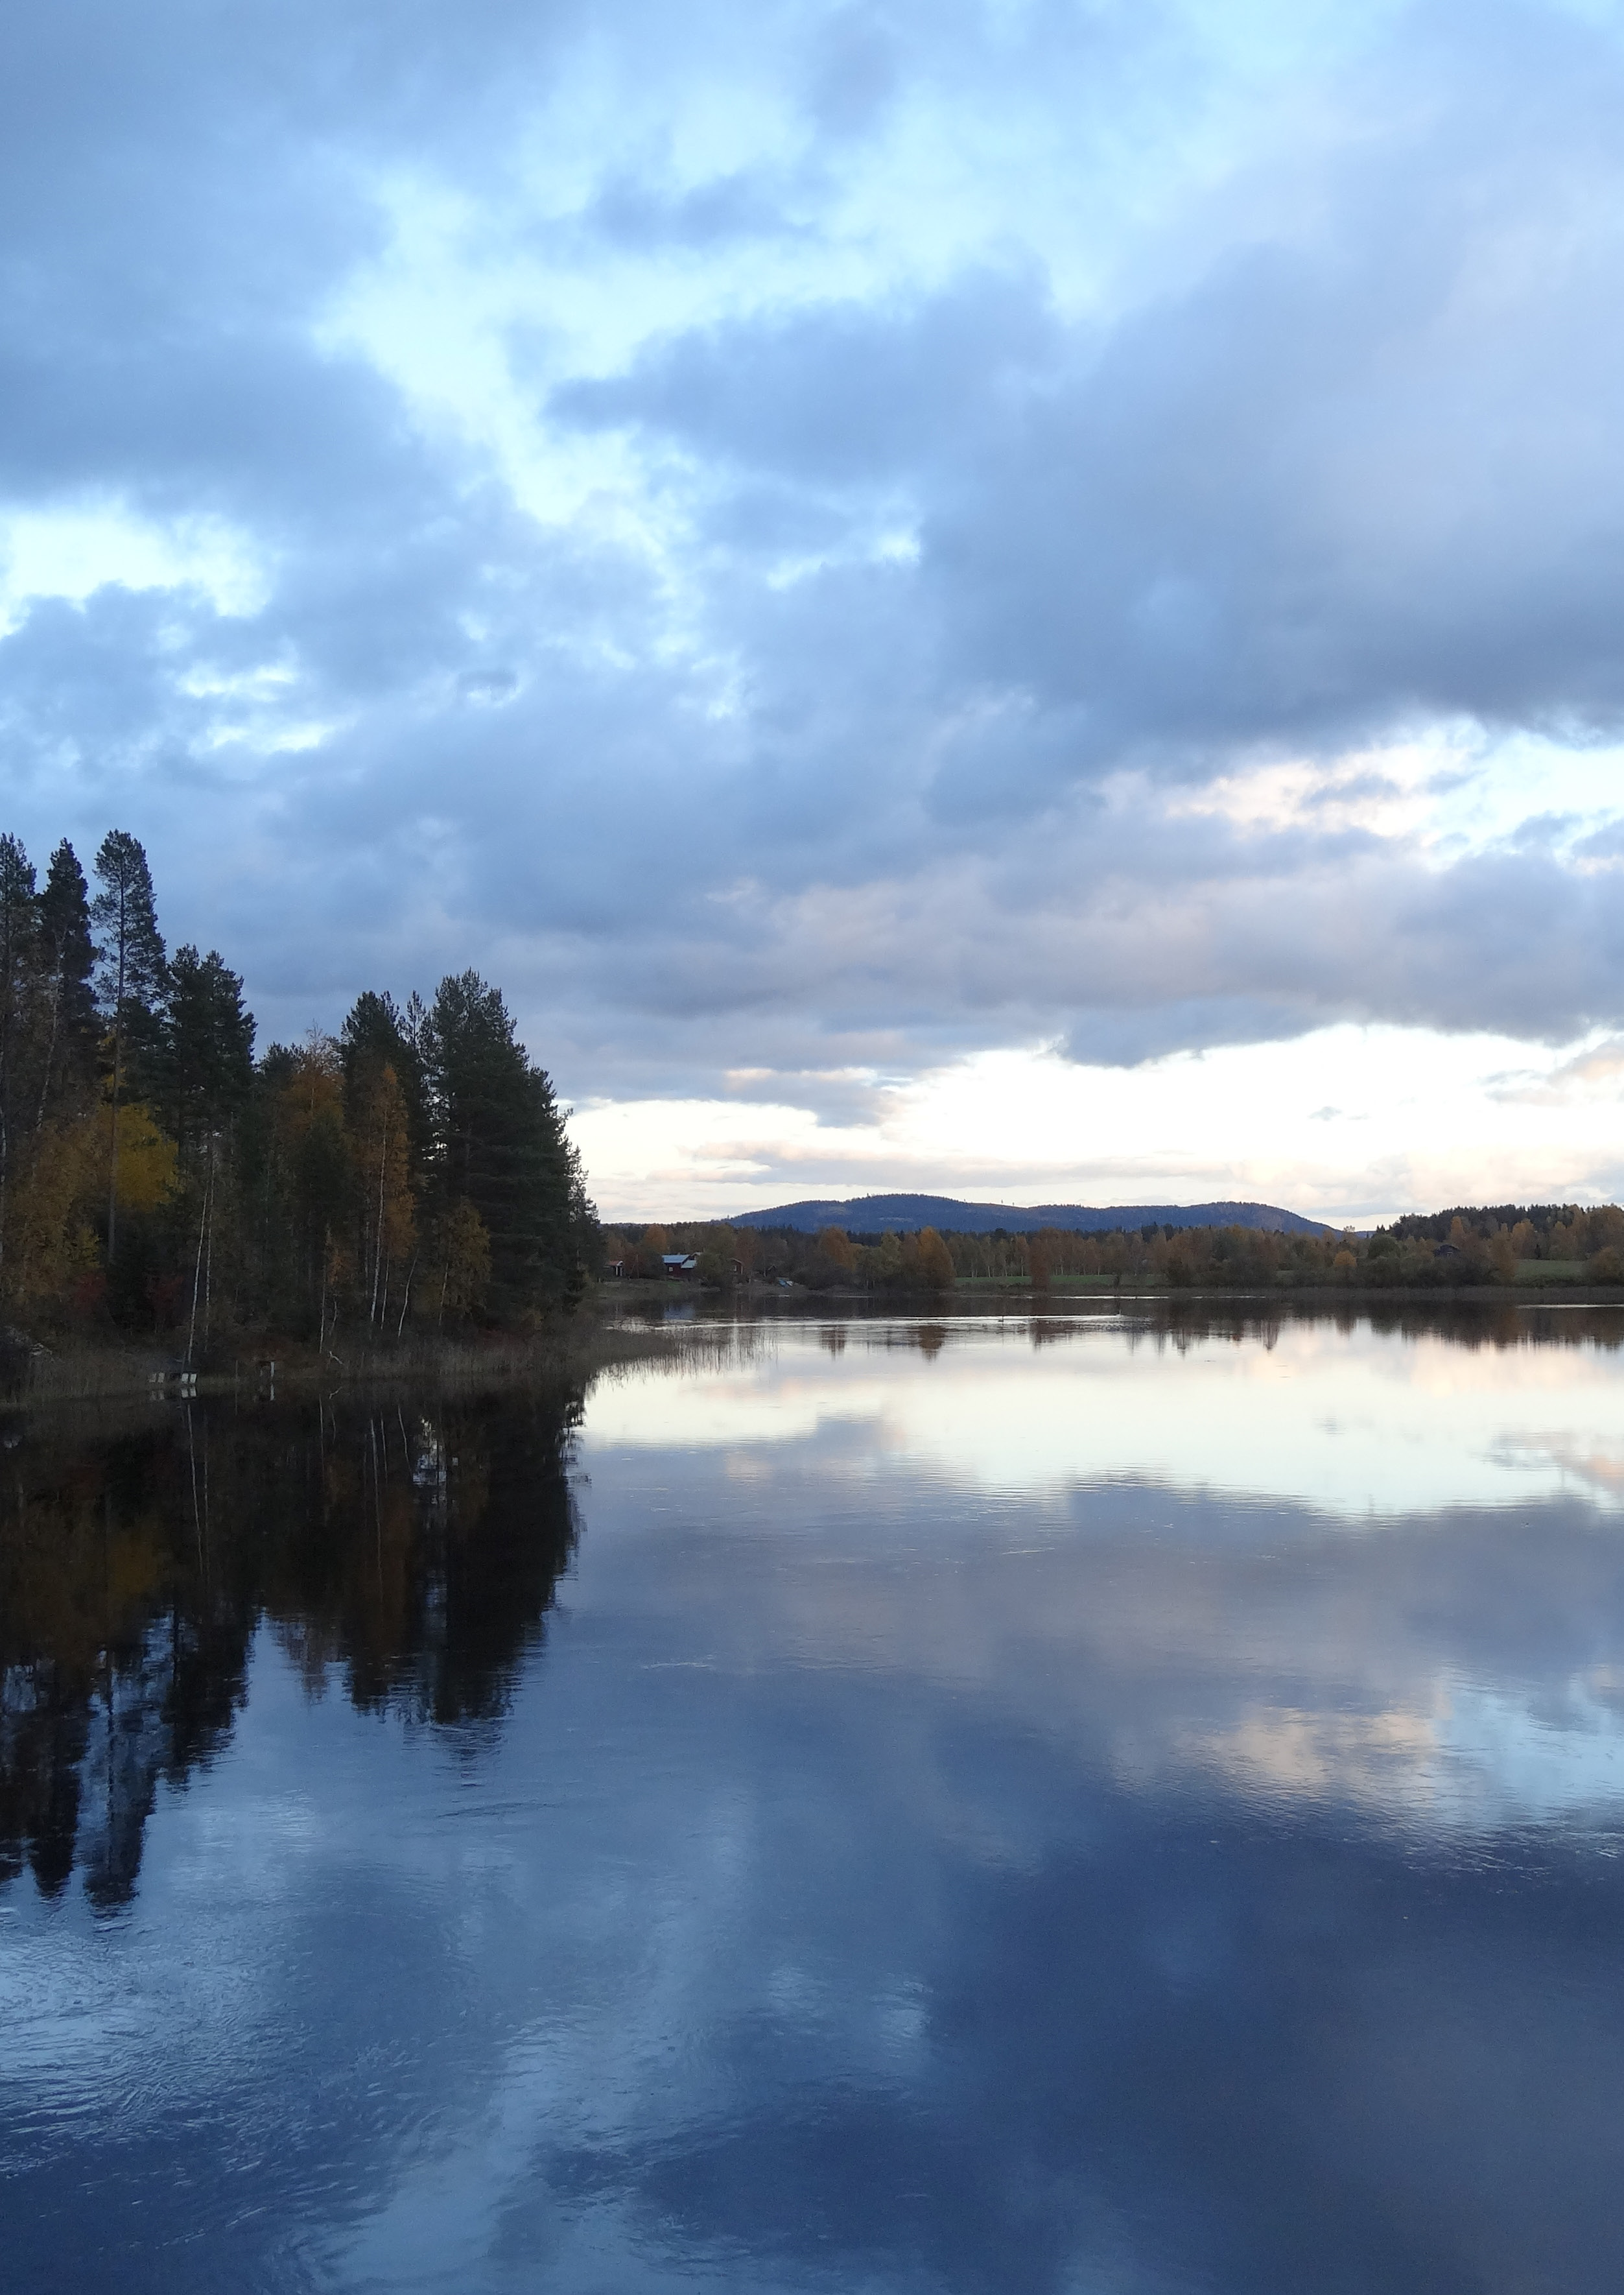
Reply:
x=892 y=1806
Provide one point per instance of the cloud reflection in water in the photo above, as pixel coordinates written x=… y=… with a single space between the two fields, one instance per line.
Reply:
x=941 y=1843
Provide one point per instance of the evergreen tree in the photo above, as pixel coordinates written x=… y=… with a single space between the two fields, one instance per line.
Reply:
x=19 y=938
x=130 y=977
x=68 y=956
x=203 y=1064
x=379 y=1034
x=462 y=1270
x=499 y=1145
x=416 y=1168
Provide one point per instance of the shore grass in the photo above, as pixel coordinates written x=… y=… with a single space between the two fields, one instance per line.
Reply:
x=89 y=1372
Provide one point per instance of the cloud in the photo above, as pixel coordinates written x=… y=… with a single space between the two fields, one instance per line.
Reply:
x=839 y=395
x=796 y=569
x=1598 y=1069
x=745 y=203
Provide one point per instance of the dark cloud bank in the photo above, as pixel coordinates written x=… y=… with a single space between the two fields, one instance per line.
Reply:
x=964 y=599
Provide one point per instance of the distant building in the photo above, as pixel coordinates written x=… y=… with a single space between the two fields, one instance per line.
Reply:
x=678 y=1264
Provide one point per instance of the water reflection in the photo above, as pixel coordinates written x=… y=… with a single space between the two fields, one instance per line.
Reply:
x=998 y=1806
x=411 y=1556
x=1350 y=1415
x=1330 y=1570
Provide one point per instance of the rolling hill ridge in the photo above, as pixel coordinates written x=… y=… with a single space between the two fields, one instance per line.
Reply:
x=873 y=1214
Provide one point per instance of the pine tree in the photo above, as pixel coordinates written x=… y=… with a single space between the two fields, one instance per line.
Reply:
x=18 y=940
x=379 y=1033
x=203 y=1063
x=69 y=957
x=499 y=1145
x=462 y=1253
x=419 y=1164
x=130 y=976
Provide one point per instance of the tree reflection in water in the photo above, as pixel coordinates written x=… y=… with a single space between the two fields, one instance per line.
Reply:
x=410 y=1549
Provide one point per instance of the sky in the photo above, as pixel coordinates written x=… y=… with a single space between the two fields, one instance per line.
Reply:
x=1015 y=597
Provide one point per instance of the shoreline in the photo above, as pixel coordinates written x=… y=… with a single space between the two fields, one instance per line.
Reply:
x=616 y=1329
x=636 y=1292
x=89 y=1374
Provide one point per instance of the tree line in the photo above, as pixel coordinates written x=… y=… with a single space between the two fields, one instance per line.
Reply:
x=1421 y=1251
x=1487 y=1242
x=728 y=1256
x=156 y=1177
x=926 y=1260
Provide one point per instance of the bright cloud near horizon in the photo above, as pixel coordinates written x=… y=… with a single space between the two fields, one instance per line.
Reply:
x=1020 y=597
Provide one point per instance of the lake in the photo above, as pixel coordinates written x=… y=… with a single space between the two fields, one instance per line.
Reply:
x=1061 y=1804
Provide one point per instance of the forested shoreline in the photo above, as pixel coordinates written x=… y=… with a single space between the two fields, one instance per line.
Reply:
x=412 y=1175
x=158 y=1179
x=1462 y=1247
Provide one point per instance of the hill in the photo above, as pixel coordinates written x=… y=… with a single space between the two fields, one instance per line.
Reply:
x=873 y=1215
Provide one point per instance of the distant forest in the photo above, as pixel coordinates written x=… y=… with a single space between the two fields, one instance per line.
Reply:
x=157 y=1178
x=1469 y=1245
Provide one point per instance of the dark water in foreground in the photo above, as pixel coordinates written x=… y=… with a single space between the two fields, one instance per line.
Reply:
x=894 y=1808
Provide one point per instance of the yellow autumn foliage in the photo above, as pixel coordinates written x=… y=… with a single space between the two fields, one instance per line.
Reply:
x=146 y=1157
x=48 y=1243
x=382 y=1154
x=52 y=1212
x=315 y=1089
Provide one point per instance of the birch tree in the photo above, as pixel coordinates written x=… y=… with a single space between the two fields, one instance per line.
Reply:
x=381 y=1148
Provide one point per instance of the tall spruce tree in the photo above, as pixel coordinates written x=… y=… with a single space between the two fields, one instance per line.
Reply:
x=379 y=1033
x=203 y=1064
x=19 y=947
x=130 y=977
x=500 y=1145
x=68 y=960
